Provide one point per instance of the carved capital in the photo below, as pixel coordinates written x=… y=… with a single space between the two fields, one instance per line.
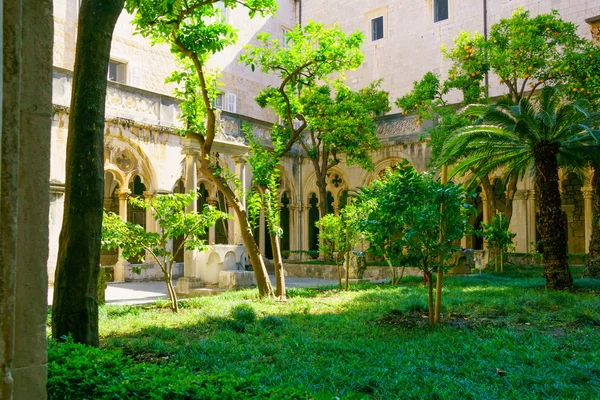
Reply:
x=521 y=194
x=588 y=192
x=123 y=193
x=213 y=201
x=239 y=160
x=148 y=194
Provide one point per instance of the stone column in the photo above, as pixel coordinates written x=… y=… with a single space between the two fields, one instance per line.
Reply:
x=486 y=214
x=588 y=193
x=293 y=230
x=234 y=226
x=518 y=222
x=240 y=172
x=305 y=224
x=213 y=201
x=531 y=225
x=191 y=152
x=151 y=225
x=119 y=268
x=190 y=279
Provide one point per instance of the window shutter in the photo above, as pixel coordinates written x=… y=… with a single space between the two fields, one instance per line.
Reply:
x=135 y=75
x=231 y=102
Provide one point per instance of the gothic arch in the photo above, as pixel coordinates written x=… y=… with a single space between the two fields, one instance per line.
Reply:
x=125 y=159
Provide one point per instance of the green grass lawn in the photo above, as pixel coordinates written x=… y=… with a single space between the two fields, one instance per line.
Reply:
x=503 y=336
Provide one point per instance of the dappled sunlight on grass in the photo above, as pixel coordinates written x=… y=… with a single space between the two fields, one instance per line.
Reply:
x=372 y=342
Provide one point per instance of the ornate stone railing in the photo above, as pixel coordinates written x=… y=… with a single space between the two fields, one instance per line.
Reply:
x=138 y=107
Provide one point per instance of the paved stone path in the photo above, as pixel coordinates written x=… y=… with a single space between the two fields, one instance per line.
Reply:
x=148 y=292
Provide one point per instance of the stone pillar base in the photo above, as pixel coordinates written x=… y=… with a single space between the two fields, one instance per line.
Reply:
x=236 y=279
x=119 y=270
x=186 y=284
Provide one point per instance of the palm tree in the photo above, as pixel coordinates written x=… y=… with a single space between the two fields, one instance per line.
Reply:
x=531 y=136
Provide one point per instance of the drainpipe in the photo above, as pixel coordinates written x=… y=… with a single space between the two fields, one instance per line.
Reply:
x=299 y=202
x=299 y=12
x=485 y=35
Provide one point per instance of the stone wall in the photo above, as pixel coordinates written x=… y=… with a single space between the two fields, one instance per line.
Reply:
x=321 y=271
x=412 y=40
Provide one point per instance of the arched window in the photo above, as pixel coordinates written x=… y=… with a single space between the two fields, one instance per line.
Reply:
x=313 y=218
x=221 y=227
x=285 y=222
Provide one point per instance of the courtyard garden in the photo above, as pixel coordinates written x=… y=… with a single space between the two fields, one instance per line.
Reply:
x=501 y=336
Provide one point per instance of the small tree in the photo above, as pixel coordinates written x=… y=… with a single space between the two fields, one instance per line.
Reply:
x=499 y=237
x=326 y=118
x=339 y=235
x=173 y=220
x=431 y=217
x=196 y=29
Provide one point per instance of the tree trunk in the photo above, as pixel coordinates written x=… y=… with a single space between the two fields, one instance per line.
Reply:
x=592 y=268
x=278 y=265
x=430 y=297
x=511 y=190
x=171 y=290
x=552 y=224
x=75 y=303
x=258 y=264
x=440 y=273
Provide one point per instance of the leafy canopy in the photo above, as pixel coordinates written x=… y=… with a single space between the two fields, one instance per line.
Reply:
x=342 y=122
x=405 y=218
x=169 y=212
x=506 y=135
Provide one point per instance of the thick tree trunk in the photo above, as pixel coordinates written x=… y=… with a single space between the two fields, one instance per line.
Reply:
x=592 y=268
x=75 y=303
x=278 y=265
x=552 y=224
x=258 y=264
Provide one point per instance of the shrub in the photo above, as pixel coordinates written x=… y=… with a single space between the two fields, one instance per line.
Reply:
x=77 y=371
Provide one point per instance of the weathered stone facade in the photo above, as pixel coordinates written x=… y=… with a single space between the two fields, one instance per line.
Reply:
x=144 y=156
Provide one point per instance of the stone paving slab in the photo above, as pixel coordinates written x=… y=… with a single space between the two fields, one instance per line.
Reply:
x=148 y=292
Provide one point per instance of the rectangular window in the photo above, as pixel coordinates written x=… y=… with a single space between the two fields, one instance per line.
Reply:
x=440 y=10
x=284 y=39
x=231 y=102
x=377 y=28
x=117 y=71
x=219 y=101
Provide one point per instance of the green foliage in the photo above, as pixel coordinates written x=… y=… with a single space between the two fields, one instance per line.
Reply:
x=312 y=54
x=498 y=235
x=299 y=351
x=497 y=232
x=169 y=212
x=405 y=218
x=338 y=235
x=79 y=372
x=427 y=101
x=174 y=222
x=525 y=53
x=506 y=134
x=470 y=64
x=342 y=122
x=195 y=26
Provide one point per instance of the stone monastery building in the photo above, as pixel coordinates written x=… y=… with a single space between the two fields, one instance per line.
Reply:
x=144 y=156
